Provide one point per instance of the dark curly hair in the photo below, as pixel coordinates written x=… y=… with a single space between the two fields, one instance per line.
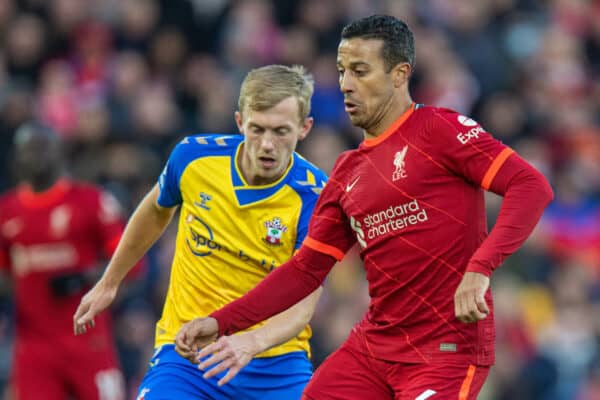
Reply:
x=398 y=40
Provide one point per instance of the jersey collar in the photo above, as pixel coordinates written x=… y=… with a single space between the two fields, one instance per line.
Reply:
x=248 y=194
x=53 y=195
x=391 y=129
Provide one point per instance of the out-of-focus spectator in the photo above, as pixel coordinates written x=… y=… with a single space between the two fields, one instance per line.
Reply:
x=250 y=35
x=24 y=45
x=137 y=21
x=155 y=114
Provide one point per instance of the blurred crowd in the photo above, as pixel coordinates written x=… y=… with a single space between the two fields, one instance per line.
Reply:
x=123 y=80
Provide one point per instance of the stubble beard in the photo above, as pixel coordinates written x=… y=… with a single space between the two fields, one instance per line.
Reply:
x=358 y=121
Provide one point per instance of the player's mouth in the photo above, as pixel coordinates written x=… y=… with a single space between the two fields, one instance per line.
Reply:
x=350 y=107
x=267 y=162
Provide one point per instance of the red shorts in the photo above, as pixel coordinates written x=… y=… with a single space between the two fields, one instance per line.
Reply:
x=49 y=372
x=351 y=375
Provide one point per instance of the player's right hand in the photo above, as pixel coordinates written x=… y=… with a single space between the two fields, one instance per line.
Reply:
x=231 y=353
x=194 y=335
x=95 y=301
x=469 y=298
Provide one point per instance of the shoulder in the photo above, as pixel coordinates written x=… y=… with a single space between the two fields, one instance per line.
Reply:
x=8 y=202
x=344 y=163
x=97 y=199
x=8 y=196
x=205 y=145
x=444 y=122
x=303 y=166
x=80 y=189
x=444 y=116
x=306 y=177
x=209 y=143
x=93 y=196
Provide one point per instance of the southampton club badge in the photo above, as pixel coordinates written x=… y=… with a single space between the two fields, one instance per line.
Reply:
x=274 y=231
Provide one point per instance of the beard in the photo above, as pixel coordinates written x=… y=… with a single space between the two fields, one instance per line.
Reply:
x=359 y=120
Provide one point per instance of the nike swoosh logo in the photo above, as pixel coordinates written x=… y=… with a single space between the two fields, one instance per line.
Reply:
x=426 y=394
x=350 y=186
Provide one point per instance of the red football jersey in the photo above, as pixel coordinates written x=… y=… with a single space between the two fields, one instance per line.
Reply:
x=412 y=198
x=417 y=232
x=70 y=228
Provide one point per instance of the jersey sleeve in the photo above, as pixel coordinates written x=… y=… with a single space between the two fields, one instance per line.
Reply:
x=309 y=202
x=466 y=149
x=110 y=222
x=329 y=231
x=168 y=181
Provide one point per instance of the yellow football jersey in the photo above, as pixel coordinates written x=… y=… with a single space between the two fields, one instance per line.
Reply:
x=230 y=234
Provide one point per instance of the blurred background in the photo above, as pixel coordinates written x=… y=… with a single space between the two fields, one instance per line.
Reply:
x=123 y=80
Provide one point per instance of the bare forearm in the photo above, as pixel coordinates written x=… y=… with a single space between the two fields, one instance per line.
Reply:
x=145 y=226
x=280 y=290
x=286 y=325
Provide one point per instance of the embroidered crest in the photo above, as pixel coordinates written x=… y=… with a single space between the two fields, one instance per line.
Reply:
x=399 y=163
x=274 y=231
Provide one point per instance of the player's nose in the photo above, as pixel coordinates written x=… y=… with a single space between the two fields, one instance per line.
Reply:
x=267 y=143
x=346 y=83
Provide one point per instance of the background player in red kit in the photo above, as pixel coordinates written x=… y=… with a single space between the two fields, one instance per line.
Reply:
x=411 y=195
x=52 y=234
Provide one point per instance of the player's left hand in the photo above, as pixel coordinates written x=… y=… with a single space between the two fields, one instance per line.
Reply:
x=194 y=335
x=469 y=299
x=229 y=352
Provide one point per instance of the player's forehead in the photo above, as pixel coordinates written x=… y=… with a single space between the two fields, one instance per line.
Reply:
x=356 y=51
x=284 y=113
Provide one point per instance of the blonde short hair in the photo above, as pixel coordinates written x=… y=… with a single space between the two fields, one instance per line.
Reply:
x=265 y=87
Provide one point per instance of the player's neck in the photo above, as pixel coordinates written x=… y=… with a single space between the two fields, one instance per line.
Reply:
x=393 y=110
x=245 y=168
x=43 y=184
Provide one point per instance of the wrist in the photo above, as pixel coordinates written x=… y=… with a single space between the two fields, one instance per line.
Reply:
x=472 y=267
x=259 y=341
x=221 y=326
x=108 y=282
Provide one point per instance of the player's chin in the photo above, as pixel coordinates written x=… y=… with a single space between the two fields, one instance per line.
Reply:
x=356 y=119
x=270 y=173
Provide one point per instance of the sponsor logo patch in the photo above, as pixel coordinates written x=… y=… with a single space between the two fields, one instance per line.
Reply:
x=473 y=133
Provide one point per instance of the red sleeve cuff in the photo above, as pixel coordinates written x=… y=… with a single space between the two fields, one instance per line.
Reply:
x=324 y=248
x=480 y=269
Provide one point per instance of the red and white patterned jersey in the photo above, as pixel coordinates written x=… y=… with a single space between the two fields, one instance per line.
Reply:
x=413 y=200
x=72 y=227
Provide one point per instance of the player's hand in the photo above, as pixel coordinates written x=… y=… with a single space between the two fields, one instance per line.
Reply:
x=469 y=299
x=194 y=335
x=229 y=352
x=95 y=301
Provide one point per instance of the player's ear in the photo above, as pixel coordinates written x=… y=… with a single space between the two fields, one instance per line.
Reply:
x=401 y=73
x=238 y=121
x=306 y=127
